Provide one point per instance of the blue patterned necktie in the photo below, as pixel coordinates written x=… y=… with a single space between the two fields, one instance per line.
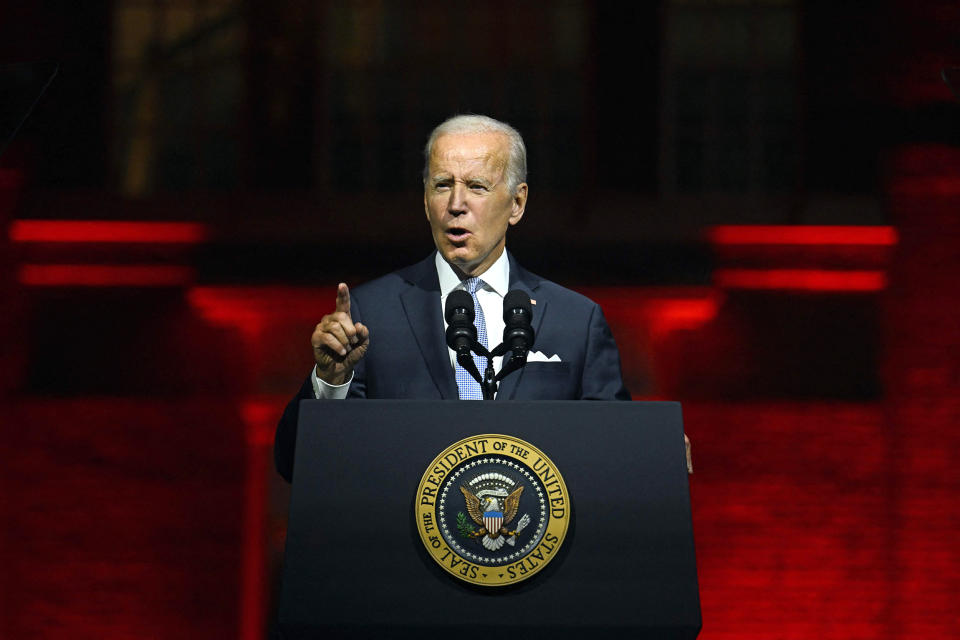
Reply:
x=470 y=389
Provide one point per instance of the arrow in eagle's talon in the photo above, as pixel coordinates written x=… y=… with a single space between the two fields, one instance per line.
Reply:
x=524 y=521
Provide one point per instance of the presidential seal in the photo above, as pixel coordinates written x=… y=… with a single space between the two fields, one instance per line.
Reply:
x=492 y=510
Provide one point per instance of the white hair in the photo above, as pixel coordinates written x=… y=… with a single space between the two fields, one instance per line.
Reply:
x=516 y=170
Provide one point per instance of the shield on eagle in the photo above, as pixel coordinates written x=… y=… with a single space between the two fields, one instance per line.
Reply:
x=493 y=520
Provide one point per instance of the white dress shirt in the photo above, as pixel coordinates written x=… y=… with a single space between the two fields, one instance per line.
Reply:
x=496 y=281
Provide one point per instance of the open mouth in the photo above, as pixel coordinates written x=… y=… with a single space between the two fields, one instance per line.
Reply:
x=457 y=234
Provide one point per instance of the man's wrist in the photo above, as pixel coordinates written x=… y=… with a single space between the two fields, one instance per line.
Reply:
x=324 y=390
x=335 y=380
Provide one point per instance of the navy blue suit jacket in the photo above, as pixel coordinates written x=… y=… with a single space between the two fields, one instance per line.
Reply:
x=408 y=357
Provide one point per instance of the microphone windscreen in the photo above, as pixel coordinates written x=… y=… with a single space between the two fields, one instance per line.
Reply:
x=516 y=299
x=458 y=299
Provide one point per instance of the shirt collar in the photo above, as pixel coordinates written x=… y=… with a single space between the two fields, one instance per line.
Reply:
x=497 y=277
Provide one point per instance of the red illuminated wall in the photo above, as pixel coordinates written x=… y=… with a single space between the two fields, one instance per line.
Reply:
x=827 y=517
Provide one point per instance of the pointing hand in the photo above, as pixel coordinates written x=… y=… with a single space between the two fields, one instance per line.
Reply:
x=338 y=342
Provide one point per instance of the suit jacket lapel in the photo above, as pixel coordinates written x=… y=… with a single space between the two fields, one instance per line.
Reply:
x=522 y=279
x=421 y=303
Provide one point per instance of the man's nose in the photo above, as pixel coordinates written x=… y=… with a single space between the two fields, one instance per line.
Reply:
x=457 y=203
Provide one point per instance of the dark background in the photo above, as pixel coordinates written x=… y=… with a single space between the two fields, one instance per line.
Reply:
x=817 y=362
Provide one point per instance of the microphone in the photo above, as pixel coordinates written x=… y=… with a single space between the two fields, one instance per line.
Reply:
x=459 y=313
x=462 y=334
x=518 y=333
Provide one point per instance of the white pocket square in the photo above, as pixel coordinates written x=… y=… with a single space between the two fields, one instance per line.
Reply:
x=539 y=356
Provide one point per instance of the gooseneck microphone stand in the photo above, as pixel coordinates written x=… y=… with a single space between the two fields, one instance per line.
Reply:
x=489 y=382
x=518 y=337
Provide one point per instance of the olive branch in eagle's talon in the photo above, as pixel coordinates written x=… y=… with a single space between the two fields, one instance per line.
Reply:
x=467 y=530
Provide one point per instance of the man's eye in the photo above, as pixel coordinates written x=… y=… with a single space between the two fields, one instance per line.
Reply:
x=478 y=187
x=441 y=185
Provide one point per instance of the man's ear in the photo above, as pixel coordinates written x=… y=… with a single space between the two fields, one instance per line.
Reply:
x=519 y=203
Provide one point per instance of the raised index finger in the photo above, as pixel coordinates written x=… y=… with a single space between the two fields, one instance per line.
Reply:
x=343 y=298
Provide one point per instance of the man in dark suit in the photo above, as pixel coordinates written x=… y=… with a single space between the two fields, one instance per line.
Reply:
x=387 y=339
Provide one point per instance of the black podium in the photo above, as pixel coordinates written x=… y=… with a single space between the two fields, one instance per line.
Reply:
x=355 y=566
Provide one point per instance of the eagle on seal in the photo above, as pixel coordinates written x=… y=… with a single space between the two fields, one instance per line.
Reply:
x=491 y=516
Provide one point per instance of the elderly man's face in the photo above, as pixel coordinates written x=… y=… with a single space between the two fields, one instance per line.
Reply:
x=467 y=201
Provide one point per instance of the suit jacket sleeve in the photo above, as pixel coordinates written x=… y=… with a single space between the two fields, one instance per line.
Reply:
x=285 y=440
x=602 y=379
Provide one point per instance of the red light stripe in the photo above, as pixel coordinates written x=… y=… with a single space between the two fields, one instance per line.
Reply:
x=95 y=275
x=801 y=279
x=803 y=235
x=84 y=231
x=259 y=416
x=667 y=316
x=686 y=310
